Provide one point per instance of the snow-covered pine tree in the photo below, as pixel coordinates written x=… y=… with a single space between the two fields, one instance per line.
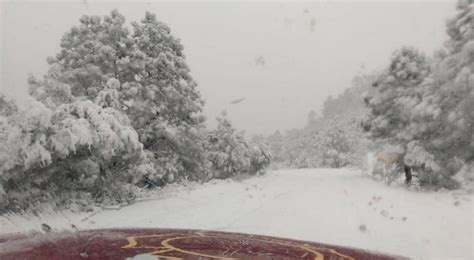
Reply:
x=154 y=86
x=275 y=146
x=388 y=112
x=390 y=103
x=337 y=143
x=229 y=153
x=429 y=111
x=443 y=121
x=77 y=149
x=227 y=150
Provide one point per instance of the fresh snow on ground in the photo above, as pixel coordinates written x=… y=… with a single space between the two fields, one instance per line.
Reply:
x=341 y=207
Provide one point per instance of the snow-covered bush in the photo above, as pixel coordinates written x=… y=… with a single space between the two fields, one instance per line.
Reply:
x=229 y=153
x=47 y=153
x=260 y=158
x=337 y=143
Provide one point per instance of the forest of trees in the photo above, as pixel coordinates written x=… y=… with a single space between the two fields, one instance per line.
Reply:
x=117 y=111
x=425 y=105
x=422 y=105
x=333 y=139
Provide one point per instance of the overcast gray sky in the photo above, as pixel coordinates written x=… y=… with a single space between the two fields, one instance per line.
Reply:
x=283 y=58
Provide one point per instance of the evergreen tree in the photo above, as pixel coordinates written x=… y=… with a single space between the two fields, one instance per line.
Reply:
x=388 y=112
x=230 y=154
x=275 y=145
x=443 y=117
x=428 y=110
x=151 y=85
x=227 y=150
x=79 y=146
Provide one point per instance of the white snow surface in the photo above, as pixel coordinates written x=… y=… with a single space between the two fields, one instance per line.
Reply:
x=322 y=205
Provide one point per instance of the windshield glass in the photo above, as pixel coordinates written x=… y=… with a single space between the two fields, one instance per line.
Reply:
x=268 y=129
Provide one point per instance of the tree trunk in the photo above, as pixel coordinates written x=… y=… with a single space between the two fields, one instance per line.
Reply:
x=408 y=175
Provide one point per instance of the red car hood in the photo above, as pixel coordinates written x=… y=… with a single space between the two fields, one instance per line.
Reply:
x=170 y=244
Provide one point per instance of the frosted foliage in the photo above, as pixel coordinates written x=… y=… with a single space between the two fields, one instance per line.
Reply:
x=139 y=70
x=43 y=147
x=407 y=65
x=50 y=91
x=230 y=154
x=417 y=155
x=148 y=62
x=7 y=106
x=228 y=150
x=460 y=28
x=260 y=158
x=431 y=118
x=24 y=137
x=333 y=139
x=94 y=126
x=117 y=111
x=74 y=132
x=70 y=127
x=396 y=96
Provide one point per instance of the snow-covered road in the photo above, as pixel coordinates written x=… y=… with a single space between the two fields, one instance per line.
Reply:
x=340 y=207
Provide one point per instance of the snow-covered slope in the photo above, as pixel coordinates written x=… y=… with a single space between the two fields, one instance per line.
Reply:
x=341 y=207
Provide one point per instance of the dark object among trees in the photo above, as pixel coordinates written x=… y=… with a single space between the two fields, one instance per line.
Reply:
x=408 y=174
